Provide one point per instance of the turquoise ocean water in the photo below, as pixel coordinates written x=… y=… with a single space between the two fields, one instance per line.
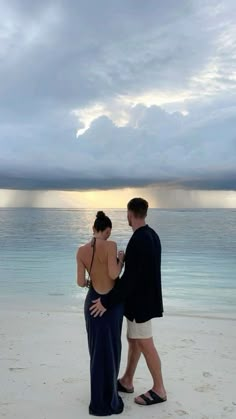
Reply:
x=38 y=247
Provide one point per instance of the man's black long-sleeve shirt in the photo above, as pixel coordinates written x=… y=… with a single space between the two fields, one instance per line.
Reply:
x=140 y=285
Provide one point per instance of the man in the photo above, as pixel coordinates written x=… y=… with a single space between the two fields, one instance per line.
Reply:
x=140 y=288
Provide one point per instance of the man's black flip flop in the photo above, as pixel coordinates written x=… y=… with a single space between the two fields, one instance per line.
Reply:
x=154 y=399
x=123 y=389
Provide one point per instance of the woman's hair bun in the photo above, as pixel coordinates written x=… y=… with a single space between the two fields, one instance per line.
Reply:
x=101 y=214
x=102 y=222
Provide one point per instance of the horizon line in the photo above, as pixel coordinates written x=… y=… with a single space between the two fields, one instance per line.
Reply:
x=118 y=208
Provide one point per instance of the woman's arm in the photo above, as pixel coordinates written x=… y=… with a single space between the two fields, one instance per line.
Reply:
x=114 y=265
x=126 y=284
x=81 y=281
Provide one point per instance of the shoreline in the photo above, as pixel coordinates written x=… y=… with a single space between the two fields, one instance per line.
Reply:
x=57 y=305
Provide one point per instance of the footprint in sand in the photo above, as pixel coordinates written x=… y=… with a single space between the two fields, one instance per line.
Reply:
x=181 y=412
x=70 y=380
x=206 y=374
x=229 y=409
x=188 y=340
x=17 y=369
x=225 y=356
x=204 y=388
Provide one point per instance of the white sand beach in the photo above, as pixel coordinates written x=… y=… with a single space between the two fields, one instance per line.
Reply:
x=44 y=367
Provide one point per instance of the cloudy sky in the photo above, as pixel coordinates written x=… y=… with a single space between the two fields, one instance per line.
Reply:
x=101 y=100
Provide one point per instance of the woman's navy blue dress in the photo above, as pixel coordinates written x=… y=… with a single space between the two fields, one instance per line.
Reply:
x=104 y=341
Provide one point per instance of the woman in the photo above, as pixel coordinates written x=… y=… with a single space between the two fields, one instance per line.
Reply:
x=99 y=258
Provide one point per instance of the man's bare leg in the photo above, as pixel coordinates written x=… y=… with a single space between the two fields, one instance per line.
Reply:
x=154 y=365
x=134 y=354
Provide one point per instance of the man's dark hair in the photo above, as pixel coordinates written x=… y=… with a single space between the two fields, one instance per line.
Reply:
x=138 y=206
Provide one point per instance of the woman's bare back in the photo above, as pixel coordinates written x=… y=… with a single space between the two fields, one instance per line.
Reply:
x=105 y=268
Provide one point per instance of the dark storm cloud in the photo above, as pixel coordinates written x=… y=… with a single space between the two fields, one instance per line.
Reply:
x=60 y=56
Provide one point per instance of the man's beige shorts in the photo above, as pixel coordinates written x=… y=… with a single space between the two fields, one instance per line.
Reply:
x=139 y=330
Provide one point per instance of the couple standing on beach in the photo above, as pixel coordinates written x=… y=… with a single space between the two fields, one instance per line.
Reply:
x=137 y=295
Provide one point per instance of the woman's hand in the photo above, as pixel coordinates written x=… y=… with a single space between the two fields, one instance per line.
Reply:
x=121 y=256
x=97 y=308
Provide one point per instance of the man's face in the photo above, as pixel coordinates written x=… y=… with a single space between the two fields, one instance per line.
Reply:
x=129 y=218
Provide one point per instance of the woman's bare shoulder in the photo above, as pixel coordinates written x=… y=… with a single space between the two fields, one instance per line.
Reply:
x=83 y=248
x=111 y=244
